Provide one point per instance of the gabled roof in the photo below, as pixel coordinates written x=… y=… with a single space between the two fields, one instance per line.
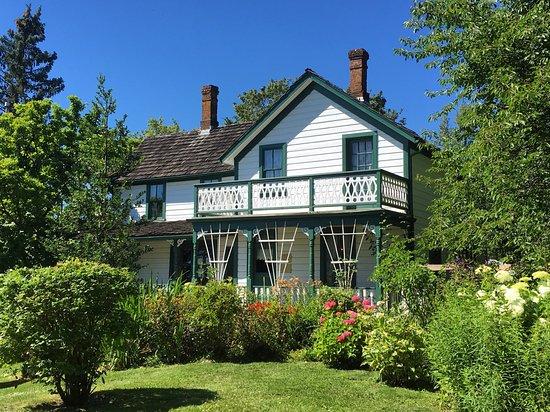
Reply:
x=182 y=156
x=295 y=94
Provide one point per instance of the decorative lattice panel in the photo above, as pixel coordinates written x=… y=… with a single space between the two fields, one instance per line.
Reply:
x=394 y=191
x=222 y=198
x=345 y=190
x=280 y=194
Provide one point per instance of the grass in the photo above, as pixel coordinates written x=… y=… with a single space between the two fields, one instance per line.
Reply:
x=296 y=386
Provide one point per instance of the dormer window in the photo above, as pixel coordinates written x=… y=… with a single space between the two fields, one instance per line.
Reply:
x=156 y=201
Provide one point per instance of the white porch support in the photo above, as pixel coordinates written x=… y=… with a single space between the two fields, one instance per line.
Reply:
x=219 y=245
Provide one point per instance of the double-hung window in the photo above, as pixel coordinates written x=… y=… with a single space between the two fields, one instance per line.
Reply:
x=156 y=201
x=272 y=161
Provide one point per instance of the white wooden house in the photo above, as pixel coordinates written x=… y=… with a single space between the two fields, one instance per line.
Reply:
x=307 y=191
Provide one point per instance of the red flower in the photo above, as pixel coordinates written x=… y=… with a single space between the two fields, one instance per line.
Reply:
x=343 y=336
x=356 y=298
x=258 y=306
x=352 y=314
x=330 y=304
x=349 y=321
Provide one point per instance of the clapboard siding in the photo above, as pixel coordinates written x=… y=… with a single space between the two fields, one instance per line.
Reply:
x=313 y=133
x=179 y=200
x=422 y=194
x=156 y=262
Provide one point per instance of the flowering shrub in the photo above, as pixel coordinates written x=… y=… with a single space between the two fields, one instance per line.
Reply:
x=342 y=327
x=395 y=348
x=488 y=349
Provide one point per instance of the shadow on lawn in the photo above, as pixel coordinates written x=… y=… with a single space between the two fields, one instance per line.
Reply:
x=140 y=399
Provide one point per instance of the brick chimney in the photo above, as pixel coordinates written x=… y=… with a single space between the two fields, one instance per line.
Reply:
x=209 y=118
x=358 y=74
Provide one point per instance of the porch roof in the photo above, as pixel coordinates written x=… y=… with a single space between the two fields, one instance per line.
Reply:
x=147 y=230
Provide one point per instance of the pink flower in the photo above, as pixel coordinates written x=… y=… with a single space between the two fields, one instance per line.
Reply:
x=356 y=298
x=367 y=305
x=343 y=336
x=338 y=313
x=349 y=321
x=321 y=319
x=330 y=304
x=352 y=314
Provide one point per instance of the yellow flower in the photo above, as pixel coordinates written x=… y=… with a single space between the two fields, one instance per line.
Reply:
x=541 y=274
x=520 y=286
x=483 y=269
x=525 y=279
x=503 y=276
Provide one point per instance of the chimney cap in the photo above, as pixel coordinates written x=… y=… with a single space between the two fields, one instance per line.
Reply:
x=209 y=88
x=361 y=53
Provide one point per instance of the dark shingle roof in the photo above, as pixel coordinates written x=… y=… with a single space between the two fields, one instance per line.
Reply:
x=186 y=154
x=151 y=229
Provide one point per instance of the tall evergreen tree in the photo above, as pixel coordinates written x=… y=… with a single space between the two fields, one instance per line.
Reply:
x=93 y=222
x=24 y=67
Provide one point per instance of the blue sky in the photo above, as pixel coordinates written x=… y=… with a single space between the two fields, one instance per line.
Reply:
x=157 y=54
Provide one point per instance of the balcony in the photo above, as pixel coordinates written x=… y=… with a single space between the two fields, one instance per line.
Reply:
x=302 y=194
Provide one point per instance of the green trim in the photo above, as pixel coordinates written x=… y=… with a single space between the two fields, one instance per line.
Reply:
x=249 y=258
x=347 y=138
x=311 y=244
x=262 y=127
x=265 y=147
x=194 y=260
x=408 y=174
x=378 y=251
x=163 y=216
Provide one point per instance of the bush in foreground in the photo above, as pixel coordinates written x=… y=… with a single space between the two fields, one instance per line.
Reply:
x=58 y=319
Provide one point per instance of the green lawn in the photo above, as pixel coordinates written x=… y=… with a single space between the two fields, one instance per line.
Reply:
x=292 y=386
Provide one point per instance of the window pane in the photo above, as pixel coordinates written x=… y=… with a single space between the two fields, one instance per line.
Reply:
x=268 y=159
x=277 y=159
x=369 y=160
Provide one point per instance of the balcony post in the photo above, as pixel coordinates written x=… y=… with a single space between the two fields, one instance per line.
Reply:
x=194 y=274
x=379 y=188
x=196 y=201
x=250 y=204
x=249 y=264
x=378 y=251
x=311 y=244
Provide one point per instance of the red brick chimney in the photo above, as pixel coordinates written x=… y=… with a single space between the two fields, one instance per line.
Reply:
x=358 y=74
x=209 y=118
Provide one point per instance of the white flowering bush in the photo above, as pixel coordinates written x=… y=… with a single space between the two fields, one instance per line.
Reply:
x=489 y=349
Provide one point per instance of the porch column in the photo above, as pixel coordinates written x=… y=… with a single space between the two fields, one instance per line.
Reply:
x=249 y=263
x=378 y=250
x=194 y=274
x=311 y=243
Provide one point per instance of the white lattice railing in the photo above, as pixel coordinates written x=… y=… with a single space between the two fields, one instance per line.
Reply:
x=313 y=193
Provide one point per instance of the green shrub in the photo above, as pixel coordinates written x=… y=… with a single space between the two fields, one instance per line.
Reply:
x=57 y=320
x=403 y=276
x=195 y=322
x=395 y=348
x=475 y=354
x=339 y=340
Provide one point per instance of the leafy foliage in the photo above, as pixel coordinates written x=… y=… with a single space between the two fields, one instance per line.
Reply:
x=92 y=222
x=395 y=348
x=57 y=320
x=24 y=67
x=492 y=175
x=39 y=142
x=157 y=127
x=254 y=103
x=378 y=102
x=403 y=275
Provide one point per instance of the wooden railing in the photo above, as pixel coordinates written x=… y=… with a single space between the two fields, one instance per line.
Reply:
x=334 y=191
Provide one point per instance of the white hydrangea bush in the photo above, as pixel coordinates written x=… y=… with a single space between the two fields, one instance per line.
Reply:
x=513 y=295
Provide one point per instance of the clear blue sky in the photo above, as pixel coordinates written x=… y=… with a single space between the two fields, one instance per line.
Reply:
x=156 y=54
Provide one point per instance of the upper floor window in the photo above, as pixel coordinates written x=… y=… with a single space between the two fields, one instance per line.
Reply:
x=272 y=161
x=156 y=201
x=360 y=152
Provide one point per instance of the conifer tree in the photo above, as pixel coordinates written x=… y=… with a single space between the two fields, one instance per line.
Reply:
x=24 y=67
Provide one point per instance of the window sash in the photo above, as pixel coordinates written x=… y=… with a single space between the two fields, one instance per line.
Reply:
x=361 y=154
x=156 y=201
x=273 y=165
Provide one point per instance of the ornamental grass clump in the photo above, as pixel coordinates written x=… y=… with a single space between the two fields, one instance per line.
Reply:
x=58 y=320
